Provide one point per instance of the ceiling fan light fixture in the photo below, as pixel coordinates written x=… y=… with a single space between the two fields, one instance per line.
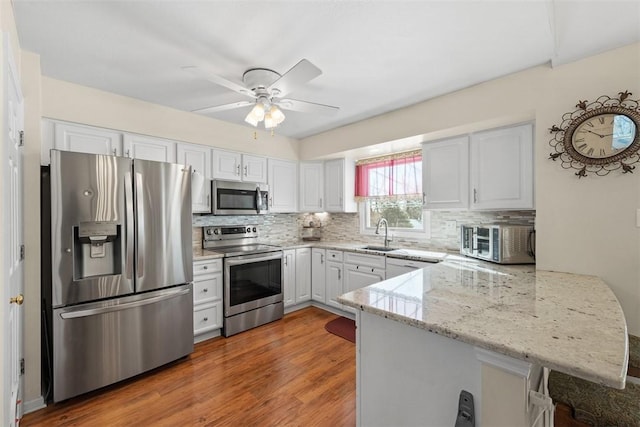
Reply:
x=251 y=119
x=258 y=111
x=269 y=123
x=277 y=115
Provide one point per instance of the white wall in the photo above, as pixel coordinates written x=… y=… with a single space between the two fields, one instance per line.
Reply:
x=584 y=226
x=71 y=102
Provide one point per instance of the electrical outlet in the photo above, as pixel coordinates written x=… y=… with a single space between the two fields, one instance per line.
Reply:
x=450 y=227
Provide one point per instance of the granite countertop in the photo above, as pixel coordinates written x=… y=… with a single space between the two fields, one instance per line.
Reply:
x=200 y=254
x=567 y=322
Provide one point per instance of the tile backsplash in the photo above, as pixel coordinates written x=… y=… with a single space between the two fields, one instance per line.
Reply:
x=345 y=227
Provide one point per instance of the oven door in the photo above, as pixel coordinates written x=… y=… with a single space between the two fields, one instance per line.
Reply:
x=252 y=281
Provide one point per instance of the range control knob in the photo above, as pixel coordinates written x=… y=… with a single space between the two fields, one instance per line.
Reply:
x=254 y=229
x=216 y=231
x=209 y=232
x=248 y=229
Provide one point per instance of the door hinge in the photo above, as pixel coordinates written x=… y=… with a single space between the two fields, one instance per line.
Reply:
x=21 y=140
x=22 y=366
x=22 y=252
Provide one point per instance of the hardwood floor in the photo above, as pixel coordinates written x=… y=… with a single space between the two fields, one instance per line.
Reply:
x=287 y=373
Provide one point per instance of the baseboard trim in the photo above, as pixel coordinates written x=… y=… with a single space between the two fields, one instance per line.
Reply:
x=33 y=405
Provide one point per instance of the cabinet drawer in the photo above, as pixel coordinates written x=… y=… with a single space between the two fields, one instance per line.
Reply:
x=334 y=255
x=207 y=288
x=375 y=261
x=207 y=266
x=207 y=318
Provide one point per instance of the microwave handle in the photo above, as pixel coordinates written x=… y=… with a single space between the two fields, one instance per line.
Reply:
x=258 y=199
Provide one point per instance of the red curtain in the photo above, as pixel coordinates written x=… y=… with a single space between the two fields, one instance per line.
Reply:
x=396 y=175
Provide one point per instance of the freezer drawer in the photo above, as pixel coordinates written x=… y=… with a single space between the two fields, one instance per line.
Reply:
x=100 y=343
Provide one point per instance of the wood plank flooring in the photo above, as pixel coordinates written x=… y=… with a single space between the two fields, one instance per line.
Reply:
x=287 y=373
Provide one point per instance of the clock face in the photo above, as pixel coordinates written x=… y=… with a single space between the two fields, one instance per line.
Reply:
x=603 y=135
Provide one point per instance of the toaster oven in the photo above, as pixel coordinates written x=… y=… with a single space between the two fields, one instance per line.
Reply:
x=499 y=243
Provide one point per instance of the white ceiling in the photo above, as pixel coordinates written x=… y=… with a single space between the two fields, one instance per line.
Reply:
x=376 y=56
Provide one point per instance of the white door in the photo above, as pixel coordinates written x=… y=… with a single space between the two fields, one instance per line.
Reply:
x=318 y=274
x=334 y=278
x=445 y=173
x=311 y=186
x=226 y=165
x=303 y=275
x=86 y=139
x=283 y=186
x=289 y=278
x=254 y=168
x=199 y=158
x=12 y=241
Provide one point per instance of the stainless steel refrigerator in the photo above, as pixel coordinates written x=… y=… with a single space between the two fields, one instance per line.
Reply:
x=120 y=298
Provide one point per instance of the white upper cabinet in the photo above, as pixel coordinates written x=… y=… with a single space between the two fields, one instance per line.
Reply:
x=339 y=186
x=283 y=185
x=445 y=173
x=254 y=168
x=198 y=157
x=502 y=168
x=147 y=148
x=234 y=166
x=87 y=139
x=491 y=170
x=311 y=186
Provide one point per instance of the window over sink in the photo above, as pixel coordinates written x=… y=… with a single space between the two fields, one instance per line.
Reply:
x=390 y=187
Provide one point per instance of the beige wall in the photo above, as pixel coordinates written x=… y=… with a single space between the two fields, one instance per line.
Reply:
x=583 y=226
x=71 y=102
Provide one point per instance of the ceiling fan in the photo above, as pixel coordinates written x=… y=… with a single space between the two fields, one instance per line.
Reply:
x=267 y=89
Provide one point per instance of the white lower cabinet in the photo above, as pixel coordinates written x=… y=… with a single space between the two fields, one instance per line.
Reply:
x=318 y=274
x=296 y=285
x=207 y=298
x=335 y=283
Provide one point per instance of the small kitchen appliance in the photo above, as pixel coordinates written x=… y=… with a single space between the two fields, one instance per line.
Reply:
x=240 y=198
x=252 y=277
x=499 y=243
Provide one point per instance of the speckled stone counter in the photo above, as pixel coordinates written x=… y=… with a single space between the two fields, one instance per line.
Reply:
x=200 y=254
x=567 y=322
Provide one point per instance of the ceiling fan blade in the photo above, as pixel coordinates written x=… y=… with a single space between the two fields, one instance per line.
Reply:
x=305 y=107
x=224 y=107
x=221 y=81
x=299 y=74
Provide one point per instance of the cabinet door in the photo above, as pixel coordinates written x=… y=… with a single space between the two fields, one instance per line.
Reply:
x=254 y=168
x=198 y=157
x=445 y=174
x=86 y=139
x=335 y=277
x=502 y=168
x=359 y=276
x=303 y=274
x=311 y=186
x=226 y=165
x=318 y=274
x=289 y=278
x=339 y=186
x=283 y=186
x=147 y=148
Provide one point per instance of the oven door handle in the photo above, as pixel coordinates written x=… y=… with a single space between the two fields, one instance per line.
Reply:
x=245 y=259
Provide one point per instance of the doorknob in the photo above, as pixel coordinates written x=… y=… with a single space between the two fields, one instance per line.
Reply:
x=17 y=300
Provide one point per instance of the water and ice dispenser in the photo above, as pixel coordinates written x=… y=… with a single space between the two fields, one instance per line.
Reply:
x=97 y=249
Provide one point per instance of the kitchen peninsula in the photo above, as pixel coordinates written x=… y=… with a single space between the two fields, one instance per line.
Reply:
x=488 y=329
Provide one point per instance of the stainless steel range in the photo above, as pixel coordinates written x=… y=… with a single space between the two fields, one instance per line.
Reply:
x=252 y=277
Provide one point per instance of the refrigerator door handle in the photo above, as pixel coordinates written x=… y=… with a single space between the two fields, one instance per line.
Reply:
x=140 y=229
x=119 y=307
x=129 y=227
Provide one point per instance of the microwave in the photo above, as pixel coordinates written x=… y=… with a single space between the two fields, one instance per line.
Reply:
x=499 y=243
x=239 y=198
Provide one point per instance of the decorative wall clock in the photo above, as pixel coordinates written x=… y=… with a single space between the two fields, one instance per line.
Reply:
x=599 y=137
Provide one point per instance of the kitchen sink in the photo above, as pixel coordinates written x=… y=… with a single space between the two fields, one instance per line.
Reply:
x=379 y=248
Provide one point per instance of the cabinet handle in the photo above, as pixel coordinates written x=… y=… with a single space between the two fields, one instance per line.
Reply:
x=372 y=270
x=475 y=196
x=271 y=200
x=338 y=274
x=205 y=290
x=321 y=259
x=357 y=267
x=114 y=152
x=237 y=169
x=285 y=261
x=208 y=203
x=205 y=267
x=206 y=319
x=129 y=153
x=245 y=171
x=424 y=198
x=320 y=201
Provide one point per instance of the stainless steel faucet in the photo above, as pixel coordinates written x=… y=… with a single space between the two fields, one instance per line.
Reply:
x=384 y=222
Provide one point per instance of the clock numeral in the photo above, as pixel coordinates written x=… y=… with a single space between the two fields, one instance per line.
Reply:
x=582 y=147
x=580 y=140
x=613 y=120
x=601 y=120
x=602 y=152
x=590 y=152
x=589 y=124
